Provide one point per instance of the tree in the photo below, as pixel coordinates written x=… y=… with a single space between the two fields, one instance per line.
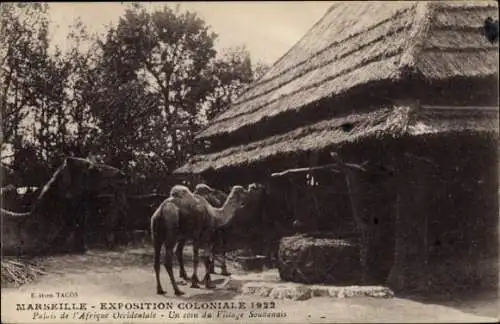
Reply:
x=80 y=90
x=32 y=89
x=36 y=89
x=23 y=46
x=134 y=99
x=49 y=102
x=124 y=120
x=173 y=53
x=259 y=70
x=233 y=73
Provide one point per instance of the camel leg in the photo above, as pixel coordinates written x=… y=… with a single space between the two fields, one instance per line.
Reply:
x=208 y=262
x=169 y=254
x=223 y=265
x=220 y=243
x=179 y=253
x=212 y=265
x=157 y=248
x=194 y=278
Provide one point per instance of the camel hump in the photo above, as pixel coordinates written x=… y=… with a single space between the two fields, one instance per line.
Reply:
x=238 y=193
x=181 y=192
x=203 y=189
x=238 y=189
x=182 y=196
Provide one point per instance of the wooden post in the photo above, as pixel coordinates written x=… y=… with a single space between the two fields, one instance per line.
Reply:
x=362 y=227
x=296 y=209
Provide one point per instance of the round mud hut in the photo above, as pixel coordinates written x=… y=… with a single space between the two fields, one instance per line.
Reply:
x=378 y=129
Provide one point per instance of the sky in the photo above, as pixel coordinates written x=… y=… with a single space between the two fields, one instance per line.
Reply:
x=268 y=29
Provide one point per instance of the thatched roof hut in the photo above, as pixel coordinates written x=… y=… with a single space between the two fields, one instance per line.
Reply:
x=412 y=89
x=341 y=82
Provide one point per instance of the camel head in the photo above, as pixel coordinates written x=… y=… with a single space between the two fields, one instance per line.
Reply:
x=256 y=191
x=183 y=196
x=215 y=197
x=238 y=196
x=180 y=192
x=77 y=175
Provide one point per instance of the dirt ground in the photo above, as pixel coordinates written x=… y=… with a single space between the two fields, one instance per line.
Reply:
x=127 y=275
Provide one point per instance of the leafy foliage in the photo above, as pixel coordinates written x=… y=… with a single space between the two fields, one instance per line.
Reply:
x=133 y=99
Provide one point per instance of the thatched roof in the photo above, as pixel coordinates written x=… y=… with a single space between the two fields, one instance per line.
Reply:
x=353 y=45
x=359 y=42
x=390 y=121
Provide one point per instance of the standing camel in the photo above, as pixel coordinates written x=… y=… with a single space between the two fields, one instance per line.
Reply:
x=215 y=198
x=185 y=215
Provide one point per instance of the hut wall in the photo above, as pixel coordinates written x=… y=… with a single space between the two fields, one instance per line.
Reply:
x=374 y=195
x=447 y=234
x=433 y=221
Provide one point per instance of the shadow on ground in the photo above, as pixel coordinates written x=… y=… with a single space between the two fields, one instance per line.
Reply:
x=483 y=303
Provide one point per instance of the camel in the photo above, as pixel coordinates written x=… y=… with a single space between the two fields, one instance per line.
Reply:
x=52 y=217
x=185 y=215
x=216 y=198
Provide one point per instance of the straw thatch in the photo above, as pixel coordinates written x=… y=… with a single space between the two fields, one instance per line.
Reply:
x=16 y=272
x=356 y=49
x=356 y=43
x=391 y=121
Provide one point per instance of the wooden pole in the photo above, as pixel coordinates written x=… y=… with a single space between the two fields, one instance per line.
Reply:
x=299 y=170
x=360 y=167
x=363 y=229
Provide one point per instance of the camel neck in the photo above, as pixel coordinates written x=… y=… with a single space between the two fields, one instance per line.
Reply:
x=227 y=211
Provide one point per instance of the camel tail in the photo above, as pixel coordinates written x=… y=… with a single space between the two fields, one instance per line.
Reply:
x=156 y=226
x=165 y=221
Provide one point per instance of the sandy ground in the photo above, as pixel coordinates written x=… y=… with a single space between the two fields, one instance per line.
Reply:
x=121 y=276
